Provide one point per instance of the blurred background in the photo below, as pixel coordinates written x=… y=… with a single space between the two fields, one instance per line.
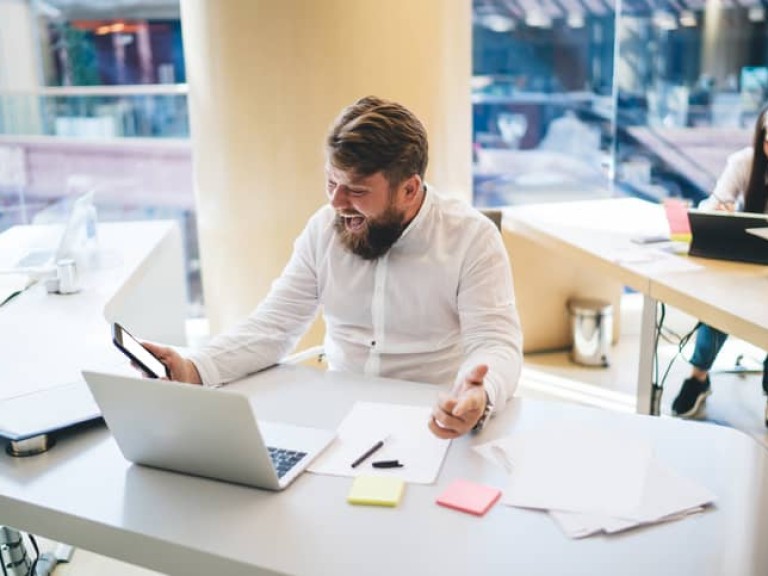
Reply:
x=571 y=99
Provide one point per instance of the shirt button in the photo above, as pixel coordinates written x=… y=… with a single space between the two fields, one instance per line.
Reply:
x=373 y=343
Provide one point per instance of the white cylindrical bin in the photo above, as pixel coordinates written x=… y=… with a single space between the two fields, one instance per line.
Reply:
x=592 y=330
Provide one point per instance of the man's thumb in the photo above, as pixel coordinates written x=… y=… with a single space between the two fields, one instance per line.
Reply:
x=477 y=374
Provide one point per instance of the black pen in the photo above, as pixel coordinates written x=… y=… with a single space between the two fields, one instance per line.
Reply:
x=368 y=453
x=387 y=464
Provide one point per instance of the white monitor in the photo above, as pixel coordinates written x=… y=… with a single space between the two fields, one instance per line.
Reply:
x=68 y=239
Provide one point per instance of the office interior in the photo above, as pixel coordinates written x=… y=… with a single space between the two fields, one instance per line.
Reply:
x=212 y=113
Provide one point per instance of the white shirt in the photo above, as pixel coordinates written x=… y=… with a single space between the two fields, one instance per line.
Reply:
x=438 y=303
x=732 y=183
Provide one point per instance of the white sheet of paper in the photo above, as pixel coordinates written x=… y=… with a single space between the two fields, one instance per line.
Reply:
x=406 y=438
x=760 y=232
x=574 y=468
x=655 y=259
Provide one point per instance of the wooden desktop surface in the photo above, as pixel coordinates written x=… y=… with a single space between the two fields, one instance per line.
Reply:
x=728 y=295
x=598 y=238
x=83 y=492
x=597 y=235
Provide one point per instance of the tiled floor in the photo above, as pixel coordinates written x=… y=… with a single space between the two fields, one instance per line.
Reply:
x=737 y=398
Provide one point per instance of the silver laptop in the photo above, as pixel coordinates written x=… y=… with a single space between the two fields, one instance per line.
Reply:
x=202 y=431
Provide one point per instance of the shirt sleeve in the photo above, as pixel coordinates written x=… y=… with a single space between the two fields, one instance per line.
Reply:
x=732 y=183
x=273 y=329
x=490 y=325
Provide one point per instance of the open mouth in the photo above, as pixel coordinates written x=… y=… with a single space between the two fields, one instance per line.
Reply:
x=353 y=222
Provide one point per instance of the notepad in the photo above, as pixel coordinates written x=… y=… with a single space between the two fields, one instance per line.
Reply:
x=469 y=497
x=376 y=491
x=677 y=216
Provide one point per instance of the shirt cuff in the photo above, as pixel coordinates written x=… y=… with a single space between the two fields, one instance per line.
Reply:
x=209 y=374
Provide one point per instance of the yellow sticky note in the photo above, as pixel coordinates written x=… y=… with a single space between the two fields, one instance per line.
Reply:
x=376 y=491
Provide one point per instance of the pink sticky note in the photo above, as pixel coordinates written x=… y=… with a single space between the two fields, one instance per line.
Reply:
x=469 y=497
x=677 y=217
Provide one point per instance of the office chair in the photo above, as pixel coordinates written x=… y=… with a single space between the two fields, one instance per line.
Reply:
x=494 y=214
x=312 y=356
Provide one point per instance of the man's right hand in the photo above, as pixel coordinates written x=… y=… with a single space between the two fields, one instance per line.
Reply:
x=180 y=369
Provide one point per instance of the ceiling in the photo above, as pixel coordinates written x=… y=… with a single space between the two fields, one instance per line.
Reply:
x=106 y=9
x=522 y=9
x=484 y=10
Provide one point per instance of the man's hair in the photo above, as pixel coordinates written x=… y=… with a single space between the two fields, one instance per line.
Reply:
x=375 y=135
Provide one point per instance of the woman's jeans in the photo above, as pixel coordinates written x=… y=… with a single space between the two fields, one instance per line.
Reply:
x=709 y=341
x=708 y=344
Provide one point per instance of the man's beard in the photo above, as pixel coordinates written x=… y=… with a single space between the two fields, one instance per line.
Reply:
x=376 y=237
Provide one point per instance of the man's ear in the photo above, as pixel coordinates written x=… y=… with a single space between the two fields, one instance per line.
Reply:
x=413 y=186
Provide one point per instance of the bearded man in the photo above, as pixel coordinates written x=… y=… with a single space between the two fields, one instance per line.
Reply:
x=411 y=285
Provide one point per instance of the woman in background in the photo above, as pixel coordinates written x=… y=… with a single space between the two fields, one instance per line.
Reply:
x=741 y=187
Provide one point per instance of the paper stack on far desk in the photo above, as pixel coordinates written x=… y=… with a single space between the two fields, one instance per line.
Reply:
x=590 y=481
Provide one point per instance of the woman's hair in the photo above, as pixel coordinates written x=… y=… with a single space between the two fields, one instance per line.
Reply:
x=375 y=135
x=755 y=195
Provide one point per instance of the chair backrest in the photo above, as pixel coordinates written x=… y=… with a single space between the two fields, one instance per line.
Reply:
x=494 y=215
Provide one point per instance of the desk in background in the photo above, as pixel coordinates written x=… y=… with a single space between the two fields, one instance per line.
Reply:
x=46 y=339
x=595 y=237
x=86 y=494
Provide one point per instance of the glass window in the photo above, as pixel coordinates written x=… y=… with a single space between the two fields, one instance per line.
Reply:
x=574 y=99
x=691 y=83
x=542 y=101
x=94 y=98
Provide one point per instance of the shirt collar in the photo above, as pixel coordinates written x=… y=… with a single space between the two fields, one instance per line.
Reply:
x=421 y=215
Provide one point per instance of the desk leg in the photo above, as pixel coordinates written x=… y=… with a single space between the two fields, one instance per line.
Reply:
x=648 y=398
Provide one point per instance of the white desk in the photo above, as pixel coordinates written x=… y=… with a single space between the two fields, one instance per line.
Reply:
x=46 y=339
x=597 y=236
x=86 y=494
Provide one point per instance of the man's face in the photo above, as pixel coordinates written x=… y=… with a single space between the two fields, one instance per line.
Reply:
x=369 y=219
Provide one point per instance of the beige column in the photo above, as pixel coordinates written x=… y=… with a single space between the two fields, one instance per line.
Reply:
x=724 y=42
x=267 y=77
x=19 y=66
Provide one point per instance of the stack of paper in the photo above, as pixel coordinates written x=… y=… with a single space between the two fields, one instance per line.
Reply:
x=591 y=481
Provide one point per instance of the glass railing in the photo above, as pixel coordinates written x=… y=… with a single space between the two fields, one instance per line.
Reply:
x=97 y=112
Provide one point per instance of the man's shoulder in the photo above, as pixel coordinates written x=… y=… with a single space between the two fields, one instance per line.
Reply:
x=456 y=211
x=453 y=205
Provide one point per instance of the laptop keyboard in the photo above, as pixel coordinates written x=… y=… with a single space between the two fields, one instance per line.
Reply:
x=283 y=460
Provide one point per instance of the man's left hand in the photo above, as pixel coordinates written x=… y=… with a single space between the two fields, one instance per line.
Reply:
x=456 y=414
